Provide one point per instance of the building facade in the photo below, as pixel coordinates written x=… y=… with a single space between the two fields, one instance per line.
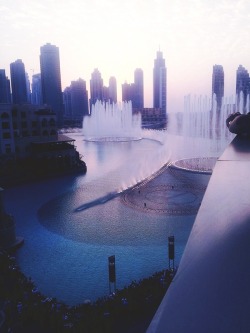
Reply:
x=36 y=94
x=18 y=82
x=51 y=80
x=134 y=92
x=128 y=92
x=75 y=100
x=22 y=124
x=96 y=87
x=30 y=146
x=217 y=87
x=160 y=83
x=112 y=90
x=138 y=101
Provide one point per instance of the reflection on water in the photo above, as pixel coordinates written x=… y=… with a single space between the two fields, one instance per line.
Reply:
x=66 y=251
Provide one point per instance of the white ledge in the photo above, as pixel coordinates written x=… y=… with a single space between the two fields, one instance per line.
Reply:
x=211 y=290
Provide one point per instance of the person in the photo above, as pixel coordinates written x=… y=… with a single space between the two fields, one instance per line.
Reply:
x=239 y=123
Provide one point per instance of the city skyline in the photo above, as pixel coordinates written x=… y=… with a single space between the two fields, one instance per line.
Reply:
x=118 y=37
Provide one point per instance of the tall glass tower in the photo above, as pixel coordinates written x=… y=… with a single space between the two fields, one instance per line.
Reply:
x=112 y=90
x=242 y=89
x=217 y=86
x=18 y=82
x=160 y=83
x=5 y=96
x=138 y=89
x=96 y=87
x=51 y=80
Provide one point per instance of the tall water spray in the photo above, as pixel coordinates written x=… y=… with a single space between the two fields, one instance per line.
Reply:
x=202 y=131
x=112 y=122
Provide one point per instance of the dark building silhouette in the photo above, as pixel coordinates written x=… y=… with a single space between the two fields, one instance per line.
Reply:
x=128 y=92
x=96 y=87
x=18 y=82
x=105 y=94
x=51 y=80
x=138 y=101
x=112 y=90
x=217 y=86
x=5 y=95
x=99 y=92
x=134 y=91
x=28 y=87
x=75 y=103
x=160 y=83
x=36 y=95
x=242 y=88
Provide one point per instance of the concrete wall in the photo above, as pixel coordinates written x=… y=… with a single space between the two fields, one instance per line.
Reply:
x=211 y=290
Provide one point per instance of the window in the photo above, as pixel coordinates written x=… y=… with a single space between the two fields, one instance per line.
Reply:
x=7 y=149
x=5 y=125
x=5 y=115
x=6 y=135
x=44 y=122
x=52 y=122
x=25 y=133
x=14 y=113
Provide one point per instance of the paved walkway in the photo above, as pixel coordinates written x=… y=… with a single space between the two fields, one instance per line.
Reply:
x=172 y=192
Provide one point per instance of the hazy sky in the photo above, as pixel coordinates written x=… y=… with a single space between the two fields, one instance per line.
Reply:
x=118 y=36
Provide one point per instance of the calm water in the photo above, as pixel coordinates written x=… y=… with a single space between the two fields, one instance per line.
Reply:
x=65 y=251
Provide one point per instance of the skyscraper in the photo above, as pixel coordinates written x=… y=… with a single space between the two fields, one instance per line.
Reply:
x=5 y=96
x=18 y=82
x=51 y=80
x=96 y=87
x=128 y=92
x=112 y=90
x=242 y=88
x=160 y=83
x=76 y=102
x=217 y=86
x=134 y=91
x=36 y=95
x=138 y=101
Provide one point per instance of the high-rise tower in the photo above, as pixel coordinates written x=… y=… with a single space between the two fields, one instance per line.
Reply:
x=217 y=86
x=112 y=90
x=96 y=87
x=138 y=89
x=51 y=80
x=5 y=96
x=134 y=91
x=242 y=88
x=18 y=82
x=76 y=101
x=160 y=83
x=36 y=95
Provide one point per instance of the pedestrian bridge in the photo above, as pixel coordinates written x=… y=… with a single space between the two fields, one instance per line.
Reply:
x=211 y=289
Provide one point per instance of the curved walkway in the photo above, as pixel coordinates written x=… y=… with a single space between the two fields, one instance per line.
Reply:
x=173 y=192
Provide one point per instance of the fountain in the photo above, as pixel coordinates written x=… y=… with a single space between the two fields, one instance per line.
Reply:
x=112 y=122
x=204 y=133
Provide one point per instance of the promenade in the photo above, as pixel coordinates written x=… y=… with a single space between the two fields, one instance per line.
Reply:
x=172 y=192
